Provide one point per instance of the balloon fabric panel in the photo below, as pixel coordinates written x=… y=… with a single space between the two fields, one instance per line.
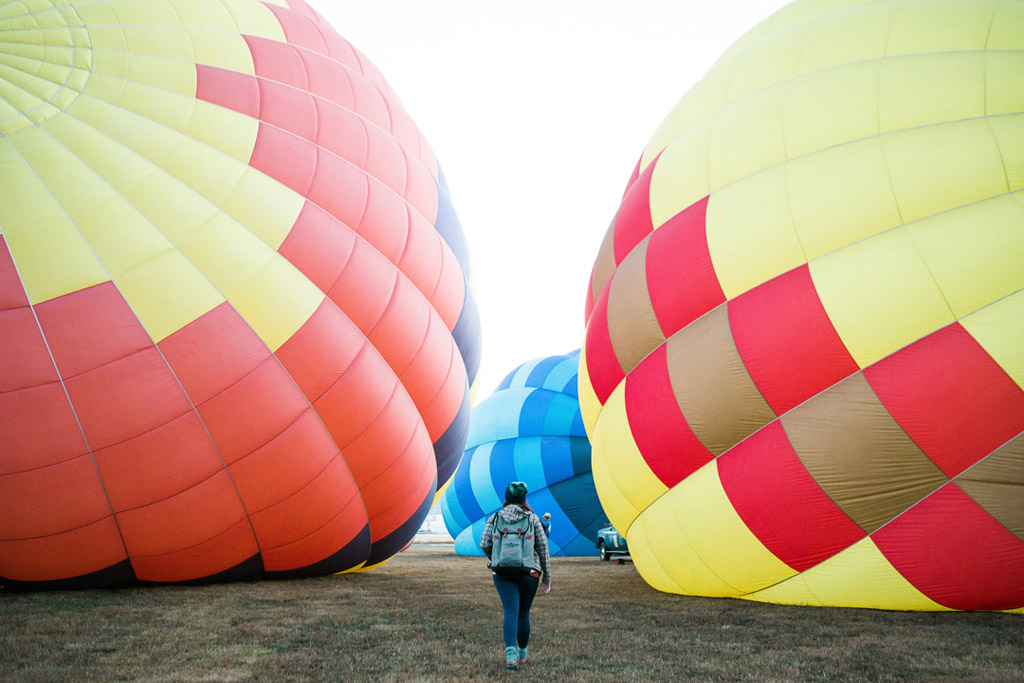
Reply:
x=241 y=328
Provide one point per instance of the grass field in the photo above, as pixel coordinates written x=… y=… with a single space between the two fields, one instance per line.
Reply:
x=429 y=615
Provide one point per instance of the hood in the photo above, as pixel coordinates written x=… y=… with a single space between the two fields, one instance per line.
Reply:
x=512 y=513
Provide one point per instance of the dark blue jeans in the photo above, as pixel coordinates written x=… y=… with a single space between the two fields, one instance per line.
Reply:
x=516 y=592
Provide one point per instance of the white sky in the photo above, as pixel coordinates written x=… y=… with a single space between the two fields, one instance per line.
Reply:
x=538 y=111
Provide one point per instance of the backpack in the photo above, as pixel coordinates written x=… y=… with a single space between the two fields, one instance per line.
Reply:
x=512 y=546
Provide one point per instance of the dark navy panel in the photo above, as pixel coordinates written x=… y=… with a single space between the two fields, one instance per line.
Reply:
x=449 y=446
x=352 y=555
x=120 y=574
x=449 y=227
x=467 y=335
x=580 y=447
x=393 y=543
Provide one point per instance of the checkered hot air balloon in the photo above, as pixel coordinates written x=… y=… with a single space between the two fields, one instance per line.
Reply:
x=530 y=429
x=804 y=364
x=237 y=335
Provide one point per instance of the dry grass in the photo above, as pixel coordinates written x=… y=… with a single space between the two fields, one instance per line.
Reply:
x=429 y=615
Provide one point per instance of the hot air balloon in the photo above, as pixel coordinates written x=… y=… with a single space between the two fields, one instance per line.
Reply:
x=237 y=336
x=803 y=373
x=530 y=429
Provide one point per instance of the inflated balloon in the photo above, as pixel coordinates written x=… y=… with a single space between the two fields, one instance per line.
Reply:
x=237 y=334
x=530 y=429
x=804 y=358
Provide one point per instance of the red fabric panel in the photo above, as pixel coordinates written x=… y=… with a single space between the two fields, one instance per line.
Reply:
x=319 y=245
x=288 y=108
x=230 y=89
x=633 y=177
x=253 y=411
x=341 y=131
x=284 y=157
x=184 y=521
x=158 y=464
x=633 y=220
x=603 y=366
x=664 y=438
x=298 y=29
x=954 y=552
x=51 y=500
x=420 y=187
x=12 y=292
x=212 y=352
x=371 y=103
x=24 y=360
x=953 y=400
x=77 y=552
x=781 y=504
x=125 y=398
x=337 y=533
x=38 y=428
x=681 y=279
x=385 y=160
x=277 y=61
x=213 y=556
x=424 y=258
x=339 y=188
x=321 y=350
x=90 y=328
x=787 y=341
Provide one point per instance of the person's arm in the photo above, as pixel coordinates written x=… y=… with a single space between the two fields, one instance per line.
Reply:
x=541 y=546
x=485 y=538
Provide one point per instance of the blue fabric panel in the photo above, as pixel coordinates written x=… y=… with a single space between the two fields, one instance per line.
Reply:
x=497 y=417
x=581 y=546
x=482 y=481
x=578 y=499
x=534 y=413
x=529 y=462
x=454 y=519
x=468 y=541
x=564 y=377
x=462 y=488
x=541 y=370
x=578 y=428
x=449 y=446
x=561 y=413
x=449 y=227
x=468 y=335
x=502 y=471
x=557 y=459
x=581 y=460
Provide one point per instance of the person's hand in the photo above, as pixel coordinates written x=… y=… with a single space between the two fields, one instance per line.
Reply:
x=545 y=588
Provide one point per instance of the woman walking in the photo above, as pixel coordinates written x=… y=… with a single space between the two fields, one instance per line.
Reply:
x=517 y=588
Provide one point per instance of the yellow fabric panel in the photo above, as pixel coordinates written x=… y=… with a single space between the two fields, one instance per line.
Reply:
x=937 y=168
x=857 y=33
x=265 y=206
x=703 y=98
x=1009 y=133
x=590 y=406
x=859 y=576
x=840 y=195
x=664 y=558
x=624 y=482
x=141 y=80
x=975 y=254
x=274 y=298
x=681 y=176
x=748 y=136
x=792 y=591
x=924 y=89
x=52 y=257
x=999 y=329
x=750 y=231
x=772 y=59
x=940 y=26
x=829 y=108
x=727 y=549
x=167 y=292
x=1007 y=32
x=879 y=295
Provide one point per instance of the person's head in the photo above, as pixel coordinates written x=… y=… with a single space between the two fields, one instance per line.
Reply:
x=547 y=516
x=515 y=494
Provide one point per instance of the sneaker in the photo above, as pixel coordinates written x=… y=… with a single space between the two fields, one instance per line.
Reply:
x=511 y=662
x=511 y=666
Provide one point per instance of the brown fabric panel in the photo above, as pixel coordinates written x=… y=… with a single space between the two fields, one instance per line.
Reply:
x=604 y=265
x=997 y=485
x=718 y=398
x=632 y=324
x=859 y=454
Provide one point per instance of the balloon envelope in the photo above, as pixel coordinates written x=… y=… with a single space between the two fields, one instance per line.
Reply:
x=804 y=365
x=530 y=429
x=237 y=332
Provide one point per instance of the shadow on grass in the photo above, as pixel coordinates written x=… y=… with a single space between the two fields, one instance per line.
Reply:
x=429 y=615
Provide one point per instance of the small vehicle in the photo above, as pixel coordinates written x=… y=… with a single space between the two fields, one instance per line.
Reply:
x=611 y=542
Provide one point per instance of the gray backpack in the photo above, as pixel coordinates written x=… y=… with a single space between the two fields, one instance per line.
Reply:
x=512 y=546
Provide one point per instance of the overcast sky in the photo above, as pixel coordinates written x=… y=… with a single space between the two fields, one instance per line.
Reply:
x=538 y=111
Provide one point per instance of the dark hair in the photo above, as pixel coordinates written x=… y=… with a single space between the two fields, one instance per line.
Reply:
x=524 y=505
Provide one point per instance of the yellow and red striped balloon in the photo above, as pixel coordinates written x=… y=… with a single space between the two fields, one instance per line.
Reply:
x=804 y=367
x=237 y=336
